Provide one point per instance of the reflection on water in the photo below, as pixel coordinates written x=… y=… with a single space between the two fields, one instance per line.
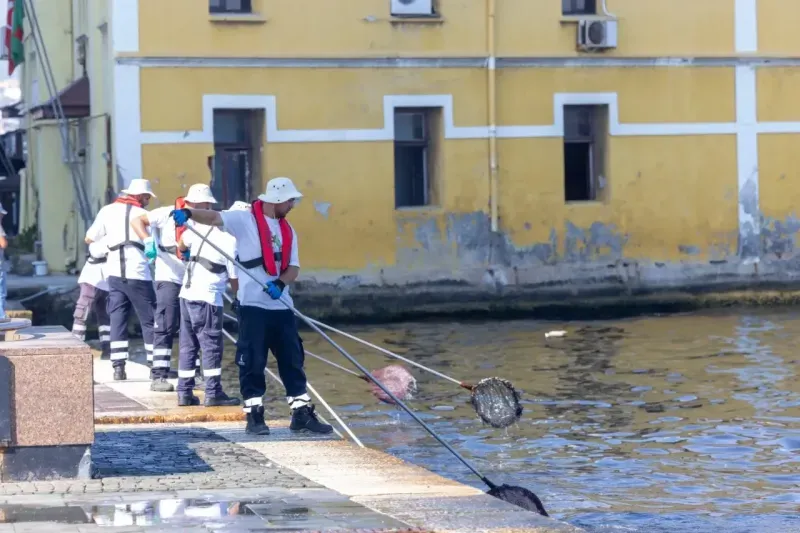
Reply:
x=652 y=424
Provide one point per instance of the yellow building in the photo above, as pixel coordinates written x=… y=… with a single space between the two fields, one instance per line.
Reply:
x=68 y=176
x=510 y=141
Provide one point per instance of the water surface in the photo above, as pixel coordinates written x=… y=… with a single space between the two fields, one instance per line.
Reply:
x=657 y=424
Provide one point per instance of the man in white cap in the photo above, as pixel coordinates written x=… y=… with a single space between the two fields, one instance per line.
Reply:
x=267 y=247
x=205 y=281
x=130 y=283
x=161 y=246
x=3 y=246
x=94 y=297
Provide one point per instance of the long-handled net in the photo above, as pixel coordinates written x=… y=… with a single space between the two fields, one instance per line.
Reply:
x=495 y=400
x=515 y=495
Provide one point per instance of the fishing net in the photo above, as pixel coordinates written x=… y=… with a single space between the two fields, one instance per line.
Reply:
x=519 y=496
x=397 y=379
x=496 y=402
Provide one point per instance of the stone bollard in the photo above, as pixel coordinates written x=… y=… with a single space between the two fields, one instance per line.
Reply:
x=47 y=407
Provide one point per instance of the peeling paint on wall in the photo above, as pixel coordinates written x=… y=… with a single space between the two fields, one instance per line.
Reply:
x=687 y=249
x=778 y=237
x=749 y=239
x=598 y=242
x=322 y=208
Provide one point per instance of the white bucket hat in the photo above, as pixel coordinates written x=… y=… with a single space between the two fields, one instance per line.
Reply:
x=280 y=190
x=200 y=193
x=138 y=186
x=240 y=206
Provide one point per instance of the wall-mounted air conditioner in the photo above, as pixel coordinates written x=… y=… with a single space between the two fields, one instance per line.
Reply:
x=412 y=7
x=597 y=34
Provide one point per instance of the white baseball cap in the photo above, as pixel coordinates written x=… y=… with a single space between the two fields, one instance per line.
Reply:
x=240 y=206
x=138 y=186
x=200 y=193
x=280 y=190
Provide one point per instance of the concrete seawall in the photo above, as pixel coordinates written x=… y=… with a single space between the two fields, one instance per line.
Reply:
x=601 y=294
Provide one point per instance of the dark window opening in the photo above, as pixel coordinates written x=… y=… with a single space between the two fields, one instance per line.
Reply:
x=585 y=131
x=230 y=6
x=236 y=152
x=579 y=7
x=415 y=156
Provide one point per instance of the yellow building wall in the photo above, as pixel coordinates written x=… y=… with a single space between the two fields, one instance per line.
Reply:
x=777 y=28
x=693 y=177
x=364 y=28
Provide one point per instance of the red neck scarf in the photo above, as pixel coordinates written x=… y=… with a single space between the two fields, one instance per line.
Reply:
x=180 y=203
x=128 y=200
x=265 y=236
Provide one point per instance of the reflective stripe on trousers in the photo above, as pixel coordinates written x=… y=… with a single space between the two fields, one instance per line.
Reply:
x=201 y=331
x=124 y=296
x=165 y=326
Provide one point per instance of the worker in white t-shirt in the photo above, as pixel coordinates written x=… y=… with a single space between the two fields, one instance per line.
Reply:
x=130 y=284
x=267 y=247
x=161 y=246
x=94 y=297
x=205 y=281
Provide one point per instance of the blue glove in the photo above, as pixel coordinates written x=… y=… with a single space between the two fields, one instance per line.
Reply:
x=186 y=255
x=150 y=250
x=274 y=288
x=180 y=216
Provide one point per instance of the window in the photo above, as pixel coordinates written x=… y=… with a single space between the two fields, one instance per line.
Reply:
x=415 y=156
x=230 y=6
x=585 y=132
x=238 y=136
x=579 y=7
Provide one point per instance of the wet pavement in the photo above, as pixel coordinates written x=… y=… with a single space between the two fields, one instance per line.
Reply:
x=231 y=511
x=214 y=477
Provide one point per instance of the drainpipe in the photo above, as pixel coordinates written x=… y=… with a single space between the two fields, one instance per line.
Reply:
x=491 y=6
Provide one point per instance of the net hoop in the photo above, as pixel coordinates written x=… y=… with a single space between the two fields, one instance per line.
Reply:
x=496 y=402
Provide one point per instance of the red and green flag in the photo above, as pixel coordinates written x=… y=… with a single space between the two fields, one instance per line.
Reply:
x=14 y=34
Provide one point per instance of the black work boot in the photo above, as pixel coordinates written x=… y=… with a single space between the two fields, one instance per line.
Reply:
x=105 y=353
x=220 y=400
x=305 y=419
x=161 y=385
x=188 y=400
x=119 y=373
x=255 y=421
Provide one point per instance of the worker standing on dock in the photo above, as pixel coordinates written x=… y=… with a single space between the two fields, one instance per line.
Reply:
x=205 y=281
x=94 y=297
x=130 y=284
x=162 y=247
x=268 y=247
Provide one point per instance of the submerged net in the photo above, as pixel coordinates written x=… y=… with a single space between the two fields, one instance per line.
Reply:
x=397 y=379
x=519 y=496
x=497 y=402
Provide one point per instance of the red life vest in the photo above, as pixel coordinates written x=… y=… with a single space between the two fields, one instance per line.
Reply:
x=265 y=237
x=128 y=200
x=180 y=203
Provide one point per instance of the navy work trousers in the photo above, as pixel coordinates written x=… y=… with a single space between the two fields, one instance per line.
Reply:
x=92 y=299
x=201 y=330
x=261 y=330
x=124 y=295
x=166 y=324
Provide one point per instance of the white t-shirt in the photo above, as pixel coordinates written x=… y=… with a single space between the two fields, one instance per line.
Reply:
x=206 y=286
x=168 y=266
x=112 y=225
x=242 y=226
x=94 y=273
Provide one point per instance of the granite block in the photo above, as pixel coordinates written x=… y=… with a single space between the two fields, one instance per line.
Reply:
x=52 y=393
x=45 y=463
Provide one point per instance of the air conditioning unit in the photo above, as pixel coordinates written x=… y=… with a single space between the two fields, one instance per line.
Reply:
x=597 y=34
x=412 y=7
